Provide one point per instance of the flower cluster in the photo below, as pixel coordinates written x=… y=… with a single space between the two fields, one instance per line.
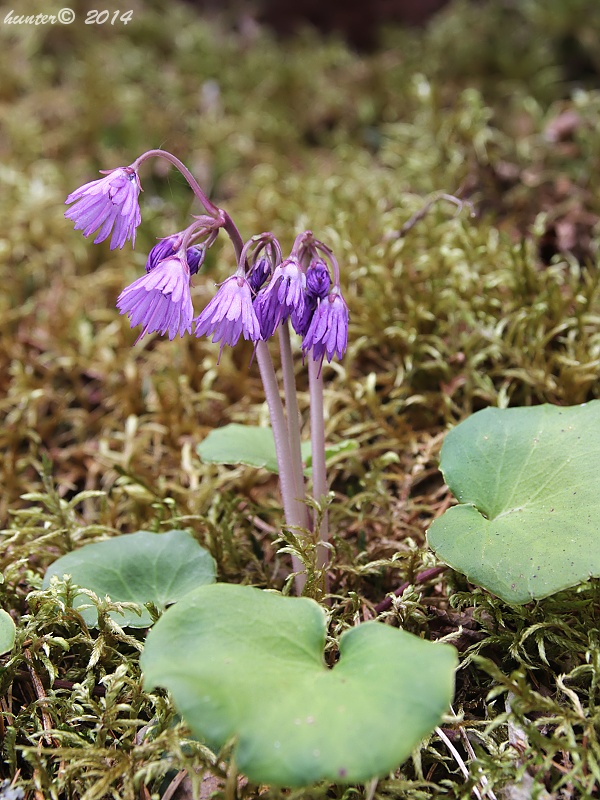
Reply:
x=265 y=291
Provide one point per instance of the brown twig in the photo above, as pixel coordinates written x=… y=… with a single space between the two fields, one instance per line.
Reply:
x=423 y=211
x=98 y=691
x=174 y=785
x=42 y=697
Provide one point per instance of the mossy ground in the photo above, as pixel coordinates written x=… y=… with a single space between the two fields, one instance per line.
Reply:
x=493 y=102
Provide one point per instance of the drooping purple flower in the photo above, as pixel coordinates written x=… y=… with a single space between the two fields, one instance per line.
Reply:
x=229 y=314
x=327 y=334
x=291 y=284
x=268 y=312
x=160 y=300
x=318 y=279
x=259 y=274
x=108 y=204
x=318 y=282
x=195 y=257
x=167 y=247
x=161 y=250
x=283 y=295
x=301 y=322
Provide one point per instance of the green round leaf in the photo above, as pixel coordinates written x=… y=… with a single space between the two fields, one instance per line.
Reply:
x=528 y=484
x=140 y=567
x=247 y=664
x=7 y=632
x=255 y=447
x=240 y=444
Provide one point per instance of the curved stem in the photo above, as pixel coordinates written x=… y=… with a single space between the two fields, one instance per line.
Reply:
x=226 y=222
x=293 y=413
x=209 y=206
x=292 y=507
x=317 y=438
x=231 y=230
x=197 y=228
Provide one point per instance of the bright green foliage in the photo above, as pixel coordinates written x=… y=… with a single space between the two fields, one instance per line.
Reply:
x=255 y=447
x=528 y=484
x=7 y=632
x=247 y=666
x=142 y=568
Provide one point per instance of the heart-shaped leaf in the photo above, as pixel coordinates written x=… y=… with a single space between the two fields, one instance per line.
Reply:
x=240 y=444
x=255 y=447
x=528 y=484
x=247 y=664
x=142 y=567
x=7 y=632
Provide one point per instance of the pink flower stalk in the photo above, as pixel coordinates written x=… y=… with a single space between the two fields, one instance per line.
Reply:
x=160 y=300
x=110 y=204
x=229 y=314
x=327 y=334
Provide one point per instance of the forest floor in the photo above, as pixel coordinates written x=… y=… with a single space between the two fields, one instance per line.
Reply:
x=495 y=302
